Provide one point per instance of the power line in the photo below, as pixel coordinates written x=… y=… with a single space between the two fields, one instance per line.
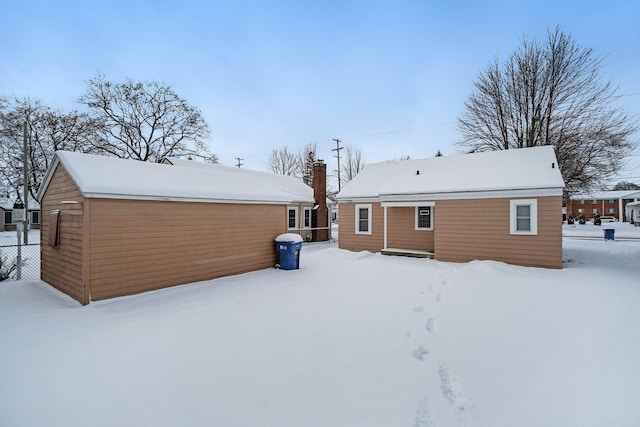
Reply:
x=239 y=159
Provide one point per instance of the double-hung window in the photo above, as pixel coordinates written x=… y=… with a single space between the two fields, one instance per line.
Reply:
x=424 y=218
x=363 y=219
x=292 y=221
x=35 y=217
x=524 y=216
x=307 y=217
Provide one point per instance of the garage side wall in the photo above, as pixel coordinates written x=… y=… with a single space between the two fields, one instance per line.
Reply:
x=348 y=239
x=480 y=229
x=62 y=266
x=137 y=246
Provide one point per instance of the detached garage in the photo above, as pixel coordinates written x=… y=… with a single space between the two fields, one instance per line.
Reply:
x=113 y=227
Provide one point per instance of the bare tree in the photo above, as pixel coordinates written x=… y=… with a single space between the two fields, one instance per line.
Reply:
x=353 y=163
x=145 y=121
x=284 y=162
x=624 y=185
x=48 y=130
x=551 y=93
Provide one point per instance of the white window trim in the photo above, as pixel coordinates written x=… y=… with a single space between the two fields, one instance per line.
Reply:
x=533 y=203
x=295 y=209
x=32 y=214
x=430 y=228
x=304 y=216
x=357 y=224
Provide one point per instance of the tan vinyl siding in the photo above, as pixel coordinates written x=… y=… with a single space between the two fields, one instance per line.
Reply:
x=299 y=229
x=361 y=242
x=480 y=229
x=138 y=246
x=402 y=233
x=62 y=266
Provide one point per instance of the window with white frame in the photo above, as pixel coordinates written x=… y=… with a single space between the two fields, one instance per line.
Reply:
x=611 y=210
x=582 y=201
x=612 y=201
x=307 y=217
x=363 y=219
x=524 y=216
x=35 y=217
x=595 y=201
x=424 y=218
x=8 y=217
x=595 y=210
x=292 y=221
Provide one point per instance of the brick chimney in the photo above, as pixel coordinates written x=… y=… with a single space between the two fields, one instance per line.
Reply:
x=320 y=214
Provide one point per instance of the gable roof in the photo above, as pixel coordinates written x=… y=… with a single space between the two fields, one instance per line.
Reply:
x=109 y=177
x=300 y=191
x=525 y=171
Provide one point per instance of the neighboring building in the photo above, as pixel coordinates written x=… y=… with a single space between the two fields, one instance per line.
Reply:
x=608 y=203
x=115 y=227
x=8 y=222
x=633 y=213
x=499 y=205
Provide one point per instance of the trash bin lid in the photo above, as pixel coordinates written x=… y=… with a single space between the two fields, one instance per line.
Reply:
x=289 y=238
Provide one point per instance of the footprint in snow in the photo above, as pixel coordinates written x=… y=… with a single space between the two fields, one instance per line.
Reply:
x=419 y=309
x=420 y=354
x=440 y=298
x=432 y=326
x=451 y=388
x=423 y=415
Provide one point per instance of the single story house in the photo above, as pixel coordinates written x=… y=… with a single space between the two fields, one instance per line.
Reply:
x=113 y=227
x=8 y=222
x=499 y=205
x=609 y=203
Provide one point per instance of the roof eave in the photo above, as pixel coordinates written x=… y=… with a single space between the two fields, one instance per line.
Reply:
x=450 y=195
x=47 y=178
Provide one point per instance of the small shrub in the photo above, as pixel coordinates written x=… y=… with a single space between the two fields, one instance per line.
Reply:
x=7 y=268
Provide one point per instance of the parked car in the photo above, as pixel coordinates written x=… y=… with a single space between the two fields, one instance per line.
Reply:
x=608 y=219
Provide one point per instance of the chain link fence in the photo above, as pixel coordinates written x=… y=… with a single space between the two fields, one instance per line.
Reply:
x=27 y=268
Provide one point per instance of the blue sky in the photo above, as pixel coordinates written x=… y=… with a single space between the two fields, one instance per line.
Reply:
x=389 y=77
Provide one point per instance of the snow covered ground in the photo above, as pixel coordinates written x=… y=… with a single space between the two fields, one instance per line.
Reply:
x=349 y=339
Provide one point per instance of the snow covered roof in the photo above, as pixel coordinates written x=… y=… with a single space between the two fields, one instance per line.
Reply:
x=300 y=191
x=109 y=177
x=605 y=195
x=523 y=171
x=7 y=203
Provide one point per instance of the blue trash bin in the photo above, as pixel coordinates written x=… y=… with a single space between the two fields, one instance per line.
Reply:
x=288 y=246
x=609 y=233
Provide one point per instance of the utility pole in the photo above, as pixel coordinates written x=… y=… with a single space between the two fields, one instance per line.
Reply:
x=26 y=184
x=337 y=150
x=239 y=159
